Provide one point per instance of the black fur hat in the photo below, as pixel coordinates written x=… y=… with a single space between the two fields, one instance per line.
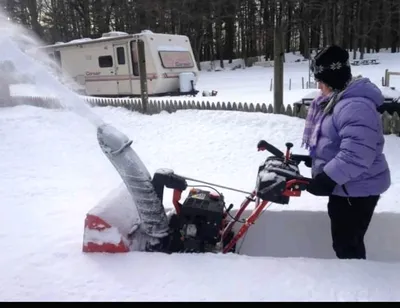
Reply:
x=332 y=67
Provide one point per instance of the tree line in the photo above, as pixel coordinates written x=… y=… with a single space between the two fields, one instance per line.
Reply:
x=222 y=29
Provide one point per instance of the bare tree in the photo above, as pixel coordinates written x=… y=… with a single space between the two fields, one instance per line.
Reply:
x=221 y=29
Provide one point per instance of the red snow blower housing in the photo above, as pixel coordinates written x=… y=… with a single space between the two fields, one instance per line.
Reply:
x=203 y=223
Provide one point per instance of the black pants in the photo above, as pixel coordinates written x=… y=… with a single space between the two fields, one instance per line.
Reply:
x=350 y=218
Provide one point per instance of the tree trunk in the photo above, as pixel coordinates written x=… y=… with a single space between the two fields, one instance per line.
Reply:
x=278 y=59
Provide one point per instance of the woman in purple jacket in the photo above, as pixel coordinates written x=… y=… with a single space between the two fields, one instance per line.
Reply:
x=343 y=133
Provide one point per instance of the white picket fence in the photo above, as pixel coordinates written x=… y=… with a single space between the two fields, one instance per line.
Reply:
x=391 y=123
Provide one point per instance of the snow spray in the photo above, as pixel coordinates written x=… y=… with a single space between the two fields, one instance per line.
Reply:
x=20 y=49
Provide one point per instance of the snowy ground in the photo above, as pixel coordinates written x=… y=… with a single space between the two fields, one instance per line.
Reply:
x=53 y=172
x=254 y=84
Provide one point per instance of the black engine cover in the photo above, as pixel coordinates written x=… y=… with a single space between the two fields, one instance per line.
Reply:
x=200 y=220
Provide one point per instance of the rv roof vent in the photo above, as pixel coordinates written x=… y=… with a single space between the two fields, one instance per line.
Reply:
x=114 y=33
x=147 y=31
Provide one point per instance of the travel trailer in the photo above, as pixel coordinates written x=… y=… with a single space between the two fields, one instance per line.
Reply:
x=109 y=66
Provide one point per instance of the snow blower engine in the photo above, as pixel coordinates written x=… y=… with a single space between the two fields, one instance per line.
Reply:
x=203 y=223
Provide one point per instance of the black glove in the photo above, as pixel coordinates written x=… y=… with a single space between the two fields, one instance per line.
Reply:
x=299 y=158
x=321 y=185
x=308 y=162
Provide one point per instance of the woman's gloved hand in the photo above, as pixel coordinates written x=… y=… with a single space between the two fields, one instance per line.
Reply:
x=321 y=185
x=302 y=158
x=308 y=162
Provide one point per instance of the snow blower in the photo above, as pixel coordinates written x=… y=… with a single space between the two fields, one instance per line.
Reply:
x=201 y=223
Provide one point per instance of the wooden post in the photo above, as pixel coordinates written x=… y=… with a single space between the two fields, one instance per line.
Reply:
x=143 y=76
x=278 y=58
x=387 y=76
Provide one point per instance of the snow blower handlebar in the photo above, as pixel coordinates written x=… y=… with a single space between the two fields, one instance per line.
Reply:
x=292 y=187
x=278 y=180
x=298 y=158
x=294 y=182
x=264 y=145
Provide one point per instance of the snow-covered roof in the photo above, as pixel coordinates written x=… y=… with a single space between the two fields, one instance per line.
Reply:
x=114 y=33
x=389 y=92
x=312 y=95
x=81 y=40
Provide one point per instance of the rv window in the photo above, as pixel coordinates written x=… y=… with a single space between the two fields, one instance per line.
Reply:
x=121 y=55
x=176 y=59
x=105 y=61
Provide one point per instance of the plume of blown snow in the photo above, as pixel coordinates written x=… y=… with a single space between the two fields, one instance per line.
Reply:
x=22 y=60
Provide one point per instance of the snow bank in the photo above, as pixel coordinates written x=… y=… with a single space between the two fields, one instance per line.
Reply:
x=306 y=234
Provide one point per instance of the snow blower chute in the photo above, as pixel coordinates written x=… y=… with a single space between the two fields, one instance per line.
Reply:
x=135 y=220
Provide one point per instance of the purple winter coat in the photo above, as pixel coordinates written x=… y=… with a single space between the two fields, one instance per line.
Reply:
x=350 y=144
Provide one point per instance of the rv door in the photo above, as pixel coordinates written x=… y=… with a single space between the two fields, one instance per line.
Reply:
x=122 y=69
